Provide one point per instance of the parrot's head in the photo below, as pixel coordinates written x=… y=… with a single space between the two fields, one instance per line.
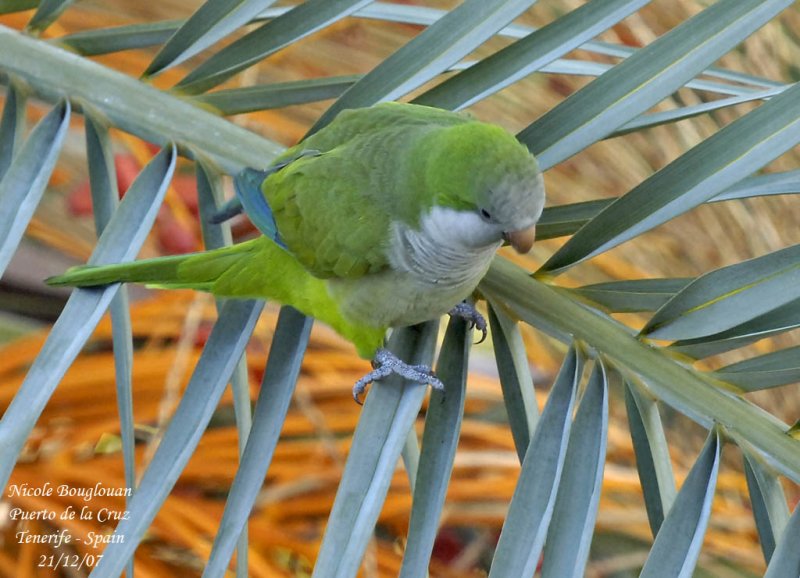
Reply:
x=491 y=179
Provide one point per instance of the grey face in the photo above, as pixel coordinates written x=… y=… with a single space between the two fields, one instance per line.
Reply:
x=514 y=206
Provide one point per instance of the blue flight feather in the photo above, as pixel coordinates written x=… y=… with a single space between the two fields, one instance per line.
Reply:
x=247 y=185
x=250 y=197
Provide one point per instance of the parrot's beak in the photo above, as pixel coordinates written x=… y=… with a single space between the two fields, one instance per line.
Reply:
x=521 y=240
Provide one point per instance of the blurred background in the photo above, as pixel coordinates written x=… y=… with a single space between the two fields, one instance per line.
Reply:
x=76 y=439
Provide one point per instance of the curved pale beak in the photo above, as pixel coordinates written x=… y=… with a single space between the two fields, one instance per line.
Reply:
x=521 y=240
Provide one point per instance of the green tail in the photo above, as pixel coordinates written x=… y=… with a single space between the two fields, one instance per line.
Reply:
x=254 y=269
x=159 y=271
x=198 y=271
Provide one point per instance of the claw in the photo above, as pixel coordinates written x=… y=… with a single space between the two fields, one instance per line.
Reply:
x=387 y=363
x=467 y=311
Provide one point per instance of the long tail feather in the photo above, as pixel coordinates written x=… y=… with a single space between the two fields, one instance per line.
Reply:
x=162 y=270
x=191 y=271
x=254 y=269
x=199 y=271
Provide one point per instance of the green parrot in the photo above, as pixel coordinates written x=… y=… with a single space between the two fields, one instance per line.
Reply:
x=387 y=217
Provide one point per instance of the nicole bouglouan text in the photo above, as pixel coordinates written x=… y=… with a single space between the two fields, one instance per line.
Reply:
x=68 y=526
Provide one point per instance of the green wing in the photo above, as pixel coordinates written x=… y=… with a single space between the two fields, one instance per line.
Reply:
x=335 y=211
x=326 y=217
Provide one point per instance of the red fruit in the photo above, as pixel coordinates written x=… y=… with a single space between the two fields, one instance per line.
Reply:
x=448 y=545
x=186 y=187
x=203 y=332
x=173 y=238
x=79 y=201
x=127 y=168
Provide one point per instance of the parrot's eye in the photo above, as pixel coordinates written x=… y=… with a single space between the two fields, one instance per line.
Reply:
x=485 y=215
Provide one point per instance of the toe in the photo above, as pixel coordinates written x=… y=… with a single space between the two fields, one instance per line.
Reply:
x=357 y=396
x=435 y=382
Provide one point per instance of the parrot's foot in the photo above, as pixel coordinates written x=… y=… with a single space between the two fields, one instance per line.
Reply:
x=387 y=363
x=467 y=311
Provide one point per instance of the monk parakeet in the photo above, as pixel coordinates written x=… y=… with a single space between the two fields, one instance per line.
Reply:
x=387 y=217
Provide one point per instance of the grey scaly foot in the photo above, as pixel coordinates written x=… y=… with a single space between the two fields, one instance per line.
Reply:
x=467 y=311
x=387 y=363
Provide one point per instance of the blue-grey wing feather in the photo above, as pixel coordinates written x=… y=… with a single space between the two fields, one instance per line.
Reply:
x=247 y=185
x=251 y=199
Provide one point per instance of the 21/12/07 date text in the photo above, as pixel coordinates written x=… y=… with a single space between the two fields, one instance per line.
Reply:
x=75 y=561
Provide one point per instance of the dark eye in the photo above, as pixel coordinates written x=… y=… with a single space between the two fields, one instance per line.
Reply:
x=485 y=215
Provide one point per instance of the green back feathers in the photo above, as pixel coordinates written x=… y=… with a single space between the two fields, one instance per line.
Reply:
x=361 y=122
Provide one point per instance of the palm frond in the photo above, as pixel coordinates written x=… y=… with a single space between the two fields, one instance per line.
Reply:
x=629 y=93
